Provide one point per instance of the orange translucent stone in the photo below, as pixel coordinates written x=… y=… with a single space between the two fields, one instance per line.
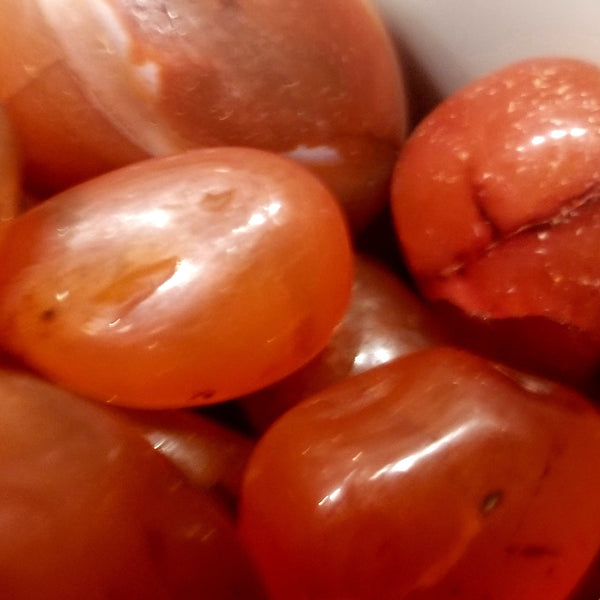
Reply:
x=94 y=85
x=385 y=320
x=495 y=200
x=178 y=281
x=90 y=509
x=211 y=456
x=437 y=475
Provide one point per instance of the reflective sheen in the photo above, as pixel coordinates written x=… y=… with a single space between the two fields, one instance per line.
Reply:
x=436 y=450
x=89 y=508
x=145 y=286
x=211 y=456
x=513 y=150
x=495 y=199
x=451 y=472
x=385 y=320
x=96 y=84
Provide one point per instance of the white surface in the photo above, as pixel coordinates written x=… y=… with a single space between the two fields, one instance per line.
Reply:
x=454 y=41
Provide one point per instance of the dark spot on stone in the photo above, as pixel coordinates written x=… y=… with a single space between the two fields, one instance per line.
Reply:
x=48 y=315
x=491 y=502
x=203 y=395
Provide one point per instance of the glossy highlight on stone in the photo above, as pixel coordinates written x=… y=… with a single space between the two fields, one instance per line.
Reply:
x=211 y=456
x=93 y=85
x=179 y=281
x=495 y=196
x=437 y=475
x=385 y=320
